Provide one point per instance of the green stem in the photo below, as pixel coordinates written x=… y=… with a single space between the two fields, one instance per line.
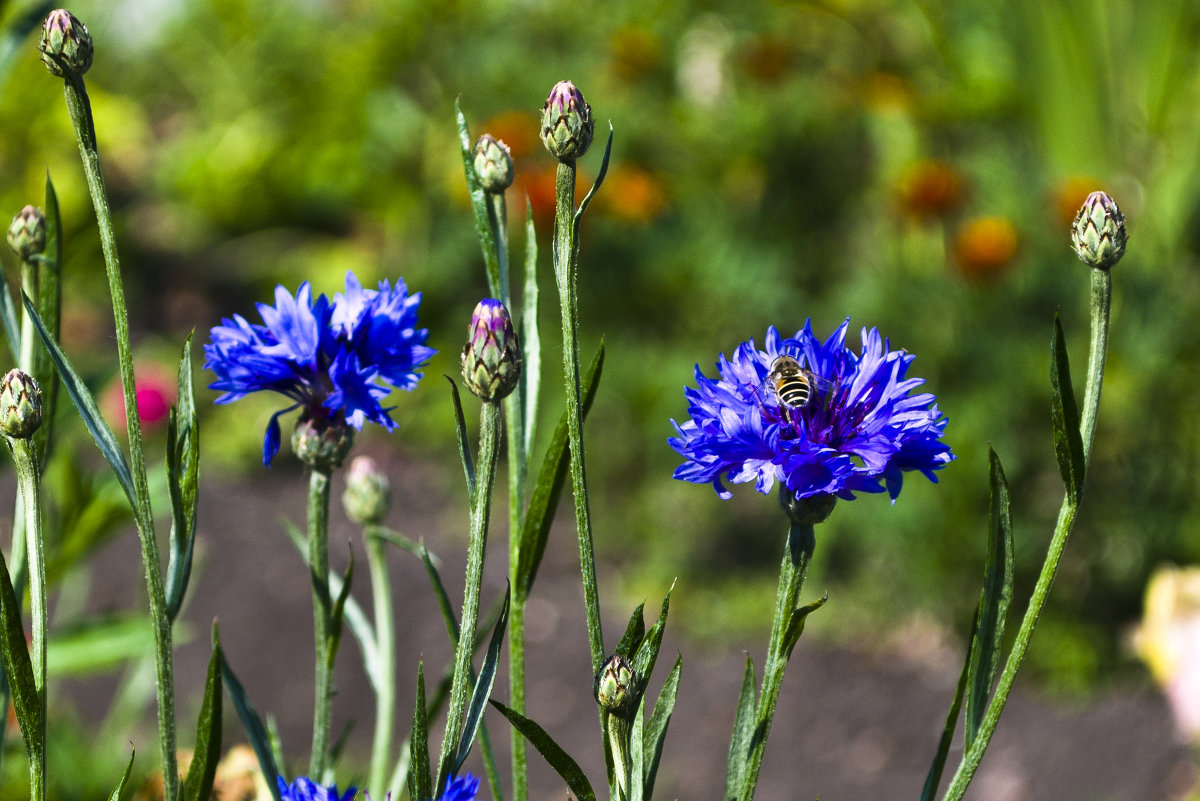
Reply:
x=79 y=109
x=1101 y=306
x=481 y=507
x=25 y=457
x=385 y=662
x=514 y=416
x=318 y=563
x=565 y=273
x=796 y=556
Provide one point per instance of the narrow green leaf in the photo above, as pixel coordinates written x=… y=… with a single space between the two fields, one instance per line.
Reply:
x=1068 y=442
x=98 y=644
x=253 y=725
x=555 y=756
x=420 y=783
x=393 y=537
x=443 y=599
x=199 y=782
x=360 y=626
x=993 y=602
x=934 y=777
x=337 y=614
x=464 y=444
x=183 y=480
x=595 y=184
x=120 y=788
x=26 y=700
x=86 y=405
x=483 y=687
x=743 y=732
x=531 y=371
x=634 y=632
x=637 y=754
x=8 y=316
x=479 y=205
x=50 y=308
x=647 y=652
x=796 y=624
x=656 y=730
x=543 y=503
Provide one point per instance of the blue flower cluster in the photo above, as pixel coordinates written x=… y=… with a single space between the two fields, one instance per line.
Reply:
x=305 y=789
x=464 y=788
x=860 y=430
x=335 y=359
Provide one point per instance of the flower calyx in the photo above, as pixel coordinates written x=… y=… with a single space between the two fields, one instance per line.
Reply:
x=20 y=405
x=567 y=125
x=64 y=36
x=1098 y=233
x=493 y=164
x=27 y=234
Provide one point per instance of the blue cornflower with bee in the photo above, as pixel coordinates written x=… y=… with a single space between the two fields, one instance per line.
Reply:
x=817 y=417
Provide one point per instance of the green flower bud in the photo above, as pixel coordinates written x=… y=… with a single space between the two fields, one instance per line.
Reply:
x=27 y=234
x=320 y=443
x=68 y=38
x=566 y=122
x=491 y=359
x=1098 y=233
x=20 y=405
x=368 y=495
x=616 y=686
x=807 y=511
x=493 y=164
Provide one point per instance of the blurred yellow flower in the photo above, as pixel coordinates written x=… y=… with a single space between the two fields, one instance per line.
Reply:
x=1168 y=641
x=1068 y=195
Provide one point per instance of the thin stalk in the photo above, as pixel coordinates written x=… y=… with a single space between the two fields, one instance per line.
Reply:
x=79 y=109
x=1101 y=306
x=514 y=415
x=318 y=563
x=796 y=556
x=385 y=662
x=481 y=507
x=25 y=457
x=565 y=273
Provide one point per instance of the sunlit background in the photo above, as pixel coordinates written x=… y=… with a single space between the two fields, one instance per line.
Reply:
x=909 y=165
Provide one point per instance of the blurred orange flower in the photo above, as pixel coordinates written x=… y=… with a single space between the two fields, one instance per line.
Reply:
x=929 y=189
x=517 y=129
x=1067 y=198
x=636 y=53
x=985 y=247
x=767 y=59
x=539 y=184
x=632 y=194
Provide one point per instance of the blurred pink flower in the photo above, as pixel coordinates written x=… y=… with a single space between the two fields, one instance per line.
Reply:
x=155 y=391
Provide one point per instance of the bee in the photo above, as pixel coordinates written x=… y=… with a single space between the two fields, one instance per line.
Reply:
x=794 y=386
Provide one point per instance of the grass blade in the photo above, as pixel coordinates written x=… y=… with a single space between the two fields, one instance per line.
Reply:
x=419 y=780
x=934 y=777
x=199 y=782
x=253 y=725
x=567 y=768
x=183 y=480
x=1068 y=442
x=743 y=731
x=483 y=687
x=464 y=444
x=656 y=730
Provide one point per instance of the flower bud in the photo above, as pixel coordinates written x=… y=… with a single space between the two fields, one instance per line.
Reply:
x=320 y=443
x=368 y=494
x=616 y=686
x=66 y=37
x=27 y=234
x=566 y=122
x=20 y=405
x=493 y=164
x=1099 y=232
x=491 y=359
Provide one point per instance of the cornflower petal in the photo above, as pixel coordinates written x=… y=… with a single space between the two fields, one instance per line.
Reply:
x=861 y=430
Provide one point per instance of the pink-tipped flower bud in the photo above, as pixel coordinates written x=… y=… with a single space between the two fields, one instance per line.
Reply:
x=27 y=234
x=566 y=122
x=368 y=495
x=1098 y=233
x=491 y=359
x=493 y=164
x=66 y=37
x=20 y=405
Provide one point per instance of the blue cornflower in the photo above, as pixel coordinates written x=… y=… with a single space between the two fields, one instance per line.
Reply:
x=335 y=359
x=461 y=789
x=861 y=428
x=305 y=789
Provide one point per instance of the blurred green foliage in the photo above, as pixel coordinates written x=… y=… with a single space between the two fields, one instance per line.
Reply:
x=772 y=162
